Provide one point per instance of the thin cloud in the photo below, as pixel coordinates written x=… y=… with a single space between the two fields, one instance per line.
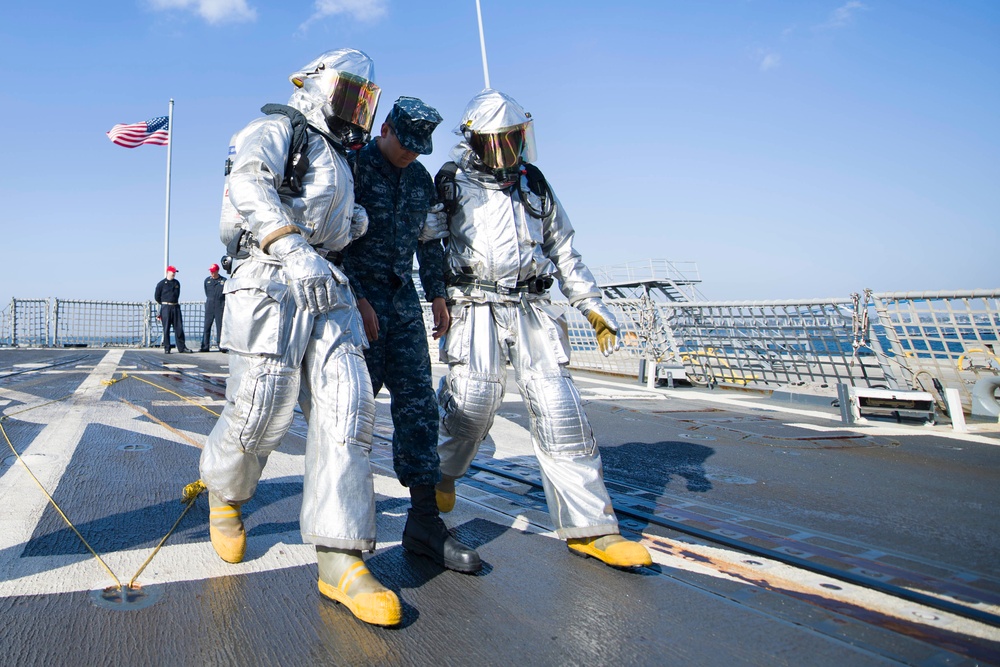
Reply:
x=366 y=11
x=844 y=15
x=770 y=60
x=212 y=11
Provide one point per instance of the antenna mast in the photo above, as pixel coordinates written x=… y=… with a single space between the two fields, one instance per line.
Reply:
x=482 y=44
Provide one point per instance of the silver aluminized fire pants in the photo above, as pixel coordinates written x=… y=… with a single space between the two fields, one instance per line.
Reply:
x=483 y=336
x=279 y=355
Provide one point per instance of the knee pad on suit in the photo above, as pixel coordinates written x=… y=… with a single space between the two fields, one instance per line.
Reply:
x=468 y=406
x=265 y=407
x=557 y=417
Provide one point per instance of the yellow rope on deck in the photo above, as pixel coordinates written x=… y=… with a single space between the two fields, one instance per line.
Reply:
x=126 y=376
x=56 y=505
x=35 y=407
x=188 y=496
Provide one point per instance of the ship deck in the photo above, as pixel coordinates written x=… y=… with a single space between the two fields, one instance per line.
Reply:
x=779 y=534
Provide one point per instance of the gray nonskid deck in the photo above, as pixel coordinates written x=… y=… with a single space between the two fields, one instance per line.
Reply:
x=115 y=458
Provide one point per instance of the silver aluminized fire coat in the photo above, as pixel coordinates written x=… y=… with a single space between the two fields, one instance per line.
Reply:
x=493 y=238
x=280 y=354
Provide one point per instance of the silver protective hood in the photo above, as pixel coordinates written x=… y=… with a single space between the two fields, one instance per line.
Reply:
x=343 y=60
x=309 y=97
x=499 y=131
x=490 y=111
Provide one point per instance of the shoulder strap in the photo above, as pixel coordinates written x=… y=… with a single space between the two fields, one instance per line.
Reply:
x=298 y=163
x=447 y=188
x=536 y=180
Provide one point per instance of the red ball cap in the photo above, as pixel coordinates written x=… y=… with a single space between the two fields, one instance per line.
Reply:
x=214 y=268
x=171 y=269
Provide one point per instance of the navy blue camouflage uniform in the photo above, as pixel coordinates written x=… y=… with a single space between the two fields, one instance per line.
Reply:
x=379 y=265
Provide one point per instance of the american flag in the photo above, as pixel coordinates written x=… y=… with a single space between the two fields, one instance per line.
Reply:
x=153 y=131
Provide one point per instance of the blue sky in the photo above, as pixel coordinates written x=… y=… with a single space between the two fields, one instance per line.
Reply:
x=791 y=149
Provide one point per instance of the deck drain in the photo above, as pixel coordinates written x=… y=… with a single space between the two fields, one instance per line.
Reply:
x=135 y=447
x=696 y=436
x=125 y=598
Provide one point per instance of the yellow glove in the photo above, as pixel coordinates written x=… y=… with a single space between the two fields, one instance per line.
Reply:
x=606 y=336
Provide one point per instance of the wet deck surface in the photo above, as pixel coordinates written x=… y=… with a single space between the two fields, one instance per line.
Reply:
x=909 y=506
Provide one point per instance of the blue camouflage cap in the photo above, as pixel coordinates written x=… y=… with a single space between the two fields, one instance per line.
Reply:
x=414 y=122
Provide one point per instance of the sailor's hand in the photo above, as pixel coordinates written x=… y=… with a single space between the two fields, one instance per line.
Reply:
x=310 y=277
x=370 y=319
x=442 y=318
x=359 y=222
x=604 y=323
x=435 y=225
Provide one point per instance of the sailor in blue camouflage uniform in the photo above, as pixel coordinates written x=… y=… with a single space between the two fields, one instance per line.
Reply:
x=397 y=191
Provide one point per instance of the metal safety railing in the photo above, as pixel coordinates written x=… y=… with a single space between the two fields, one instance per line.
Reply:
x=68 y=323
x=895 y=340
x=772 y=343
x=952 y=337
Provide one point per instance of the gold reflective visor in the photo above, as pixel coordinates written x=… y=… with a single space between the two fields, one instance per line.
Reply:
x=354 y=99
x=505 y=148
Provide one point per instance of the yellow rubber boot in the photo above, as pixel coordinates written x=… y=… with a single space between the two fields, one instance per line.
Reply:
x=355 y=587
x=444 y=493
x=614 y=550
x=225 y=526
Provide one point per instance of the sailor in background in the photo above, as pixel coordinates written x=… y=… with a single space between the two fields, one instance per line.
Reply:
x=397 y=192
x=215 y=302
x=294 y=334
x=508 y=240
x=168 y=295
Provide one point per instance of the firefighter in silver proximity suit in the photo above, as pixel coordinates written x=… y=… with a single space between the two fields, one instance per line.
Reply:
x=508 y=240
x=293 y=332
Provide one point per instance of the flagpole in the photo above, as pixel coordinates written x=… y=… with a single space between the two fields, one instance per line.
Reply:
x=170 y=145
x=482 y=44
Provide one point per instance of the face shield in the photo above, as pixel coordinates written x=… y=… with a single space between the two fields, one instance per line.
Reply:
x=505 y=148
x=351 y=98
x=340 y=86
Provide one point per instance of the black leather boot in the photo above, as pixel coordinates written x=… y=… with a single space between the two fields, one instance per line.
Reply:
x=426 y=534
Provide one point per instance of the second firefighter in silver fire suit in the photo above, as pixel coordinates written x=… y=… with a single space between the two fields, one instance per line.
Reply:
x=294 y=334
x=508 y=241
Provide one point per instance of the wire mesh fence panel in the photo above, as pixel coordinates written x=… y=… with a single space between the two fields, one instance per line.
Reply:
x=27 y=323
x=100 y=324
x=951 y=337
x=785 y=343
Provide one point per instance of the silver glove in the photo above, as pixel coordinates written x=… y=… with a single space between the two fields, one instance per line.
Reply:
x=604 y=323
x=435 y=226
x=359 y=222
x=310 y=277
